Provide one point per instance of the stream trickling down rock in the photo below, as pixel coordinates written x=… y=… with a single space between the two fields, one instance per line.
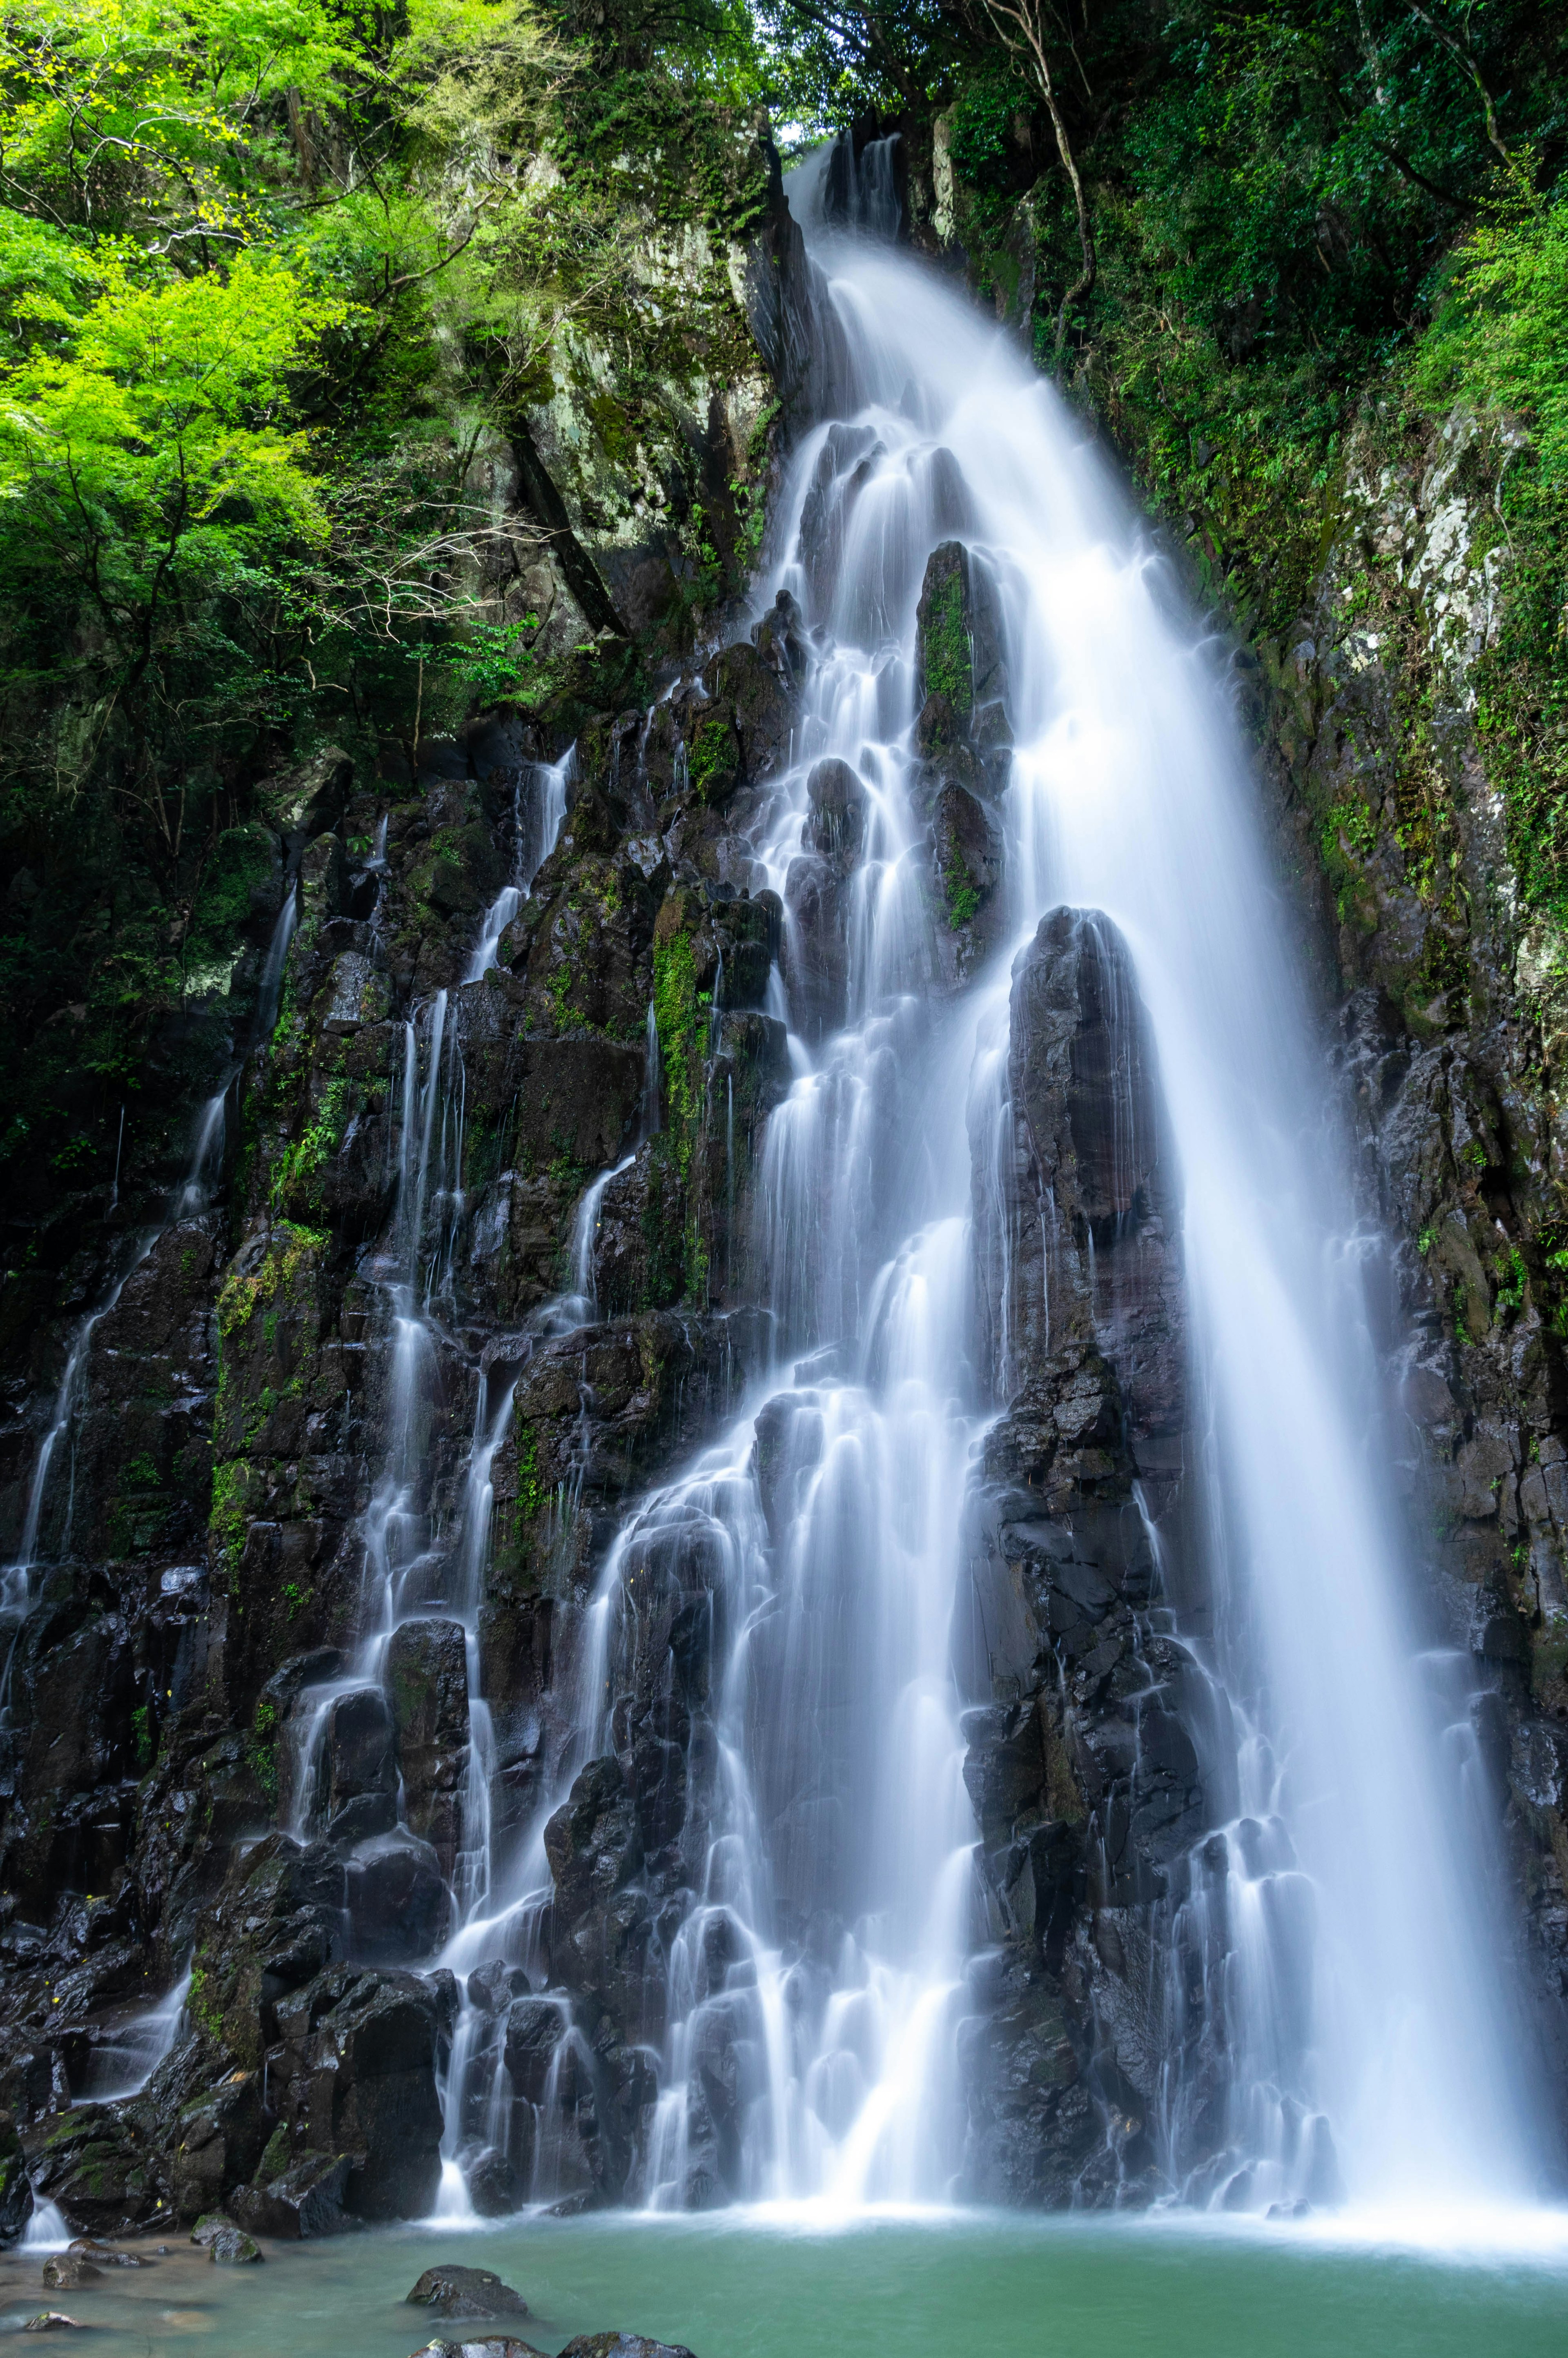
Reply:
x=943 y=1719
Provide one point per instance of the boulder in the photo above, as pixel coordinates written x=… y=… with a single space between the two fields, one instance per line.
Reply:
x=452 y=2291
x=306 y=2198
x=357 y=1756
x=622 y=2345
x=100 y=2169
x=836 y=823
x=104 y=2256
x=218 y=2141
x=50 y=2320
x=65 y=2271
x=592 y=1841
x=495 y=2188
x=233 y=2248
x=492 y=2345
x=398 y=1900
x=427 y=1683
x=357 y=2078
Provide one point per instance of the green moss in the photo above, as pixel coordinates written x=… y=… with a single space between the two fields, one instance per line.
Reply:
x=230 y=1519
x=944 y=645
x=1511 y=1277
x=203 y=2002
x=963 y=895
x=679 y=1021
x=142 y=1735
x=261 y=1749
x=531 y=1491
x=283 y=1271
x=295 y=1179
x=1346 y=836
x=711 y=755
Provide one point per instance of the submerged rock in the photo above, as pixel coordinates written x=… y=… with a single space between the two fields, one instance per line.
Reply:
x=622 y=2345
x=64 y=2271
x=452 y=2291
x=104 y=2256
x=232 y=2248
x=495 y=2345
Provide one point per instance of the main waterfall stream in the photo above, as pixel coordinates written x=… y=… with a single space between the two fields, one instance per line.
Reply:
x=1352 y=2015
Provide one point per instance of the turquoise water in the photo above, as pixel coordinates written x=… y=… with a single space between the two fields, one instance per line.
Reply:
x=936 y=2287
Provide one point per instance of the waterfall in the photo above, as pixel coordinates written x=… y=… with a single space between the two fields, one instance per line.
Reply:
x=1322 y=1970
x=534 y=833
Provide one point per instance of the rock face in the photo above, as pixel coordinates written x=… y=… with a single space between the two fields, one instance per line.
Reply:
x=1081 y=1765
x=189 y=1731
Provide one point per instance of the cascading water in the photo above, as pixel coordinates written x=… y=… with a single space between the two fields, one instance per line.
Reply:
x=815 y=1966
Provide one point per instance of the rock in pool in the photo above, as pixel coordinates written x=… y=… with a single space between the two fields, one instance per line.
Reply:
x=495 y=2346
x=104 y=2256
x=622 y=2345
x=466 y=2292
x=50 y=2320
x=63 y=2271
x=233 y=2248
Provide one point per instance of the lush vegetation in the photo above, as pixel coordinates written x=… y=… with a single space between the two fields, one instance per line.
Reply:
x=282 y=281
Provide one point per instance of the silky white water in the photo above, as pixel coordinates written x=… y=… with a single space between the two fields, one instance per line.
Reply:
x=1129 y=792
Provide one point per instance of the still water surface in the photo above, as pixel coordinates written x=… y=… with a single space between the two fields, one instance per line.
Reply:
x=933 y=2286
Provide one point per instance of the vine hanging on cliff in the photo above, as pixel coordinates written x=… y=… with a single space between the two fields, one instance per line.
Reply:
x=1022 y=24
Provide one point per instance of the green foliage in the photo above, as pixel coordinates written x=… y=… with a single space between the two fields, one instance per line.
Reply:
x=294 y=1181
x=531 y=1493
x=944 y=645
x=262 y=1748
x=143 y=1738
x=1499 y=341
x=963 y=895
x=284 y=1271
x=679 y=1021
x=140 y=462
x=229 y=1521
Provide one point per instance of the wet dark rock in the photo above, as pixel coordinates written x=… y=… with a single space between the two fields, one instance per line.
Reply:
x=103 y=2171
x=278 y=1921
x=398 y=1900
x=1081 y=1765
x=960 y=650
x=836 y=825
x=490 y=1987
x=426 y=1684
x=535 y=2028
x=495 y=2187
x=104 y=2256
x=16 y=2192
x=491 y=2345
x=50 y=2320
x=220 y=2137
x=356 y=2077
x=357 y=1757
x=233 y=2248
x=622 y=2345
x=449 y=2291
x=305 y=2198
x=65 y=2271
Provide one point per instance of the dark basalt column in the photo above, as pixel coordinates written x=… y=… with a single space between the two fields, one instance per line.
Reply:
x=1082 y=1763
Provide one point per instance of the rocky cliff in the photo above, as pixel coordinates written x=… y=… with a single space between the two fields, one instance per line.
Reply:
x=459 y=1269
